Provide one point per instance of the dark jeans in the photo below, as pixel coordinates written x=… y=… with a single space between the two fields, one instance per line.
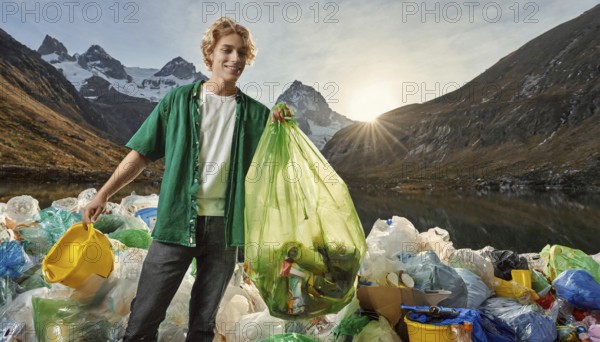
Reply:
x=162 y=273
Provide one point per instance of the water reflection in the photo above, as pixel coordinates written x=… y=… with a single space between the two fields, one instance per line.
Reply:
x=523 y=222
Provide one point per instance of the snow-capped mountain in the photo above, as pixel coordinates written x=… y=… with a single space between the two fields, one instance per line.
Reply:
x=315 y=118
x=54 y=51
x=96 y=59
x=147 y=83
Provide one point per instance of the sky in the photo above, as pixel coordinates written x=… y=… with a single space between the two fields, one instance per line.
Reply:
x=365 y=57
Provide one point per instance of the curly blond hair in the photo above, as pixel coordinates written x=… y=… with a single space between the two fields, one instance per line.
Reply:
x=223 y=27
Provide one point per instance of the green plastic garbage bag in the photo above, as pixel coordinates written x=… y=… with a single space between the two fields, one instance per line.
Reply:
x=110 y=223
x=137 y=238
x=560 y=258
x=303 y=238
x=58 y=319
x=290 y=338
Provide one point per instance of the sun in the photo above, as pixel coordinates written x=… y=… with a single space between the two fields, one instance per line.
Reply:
x=369 y=101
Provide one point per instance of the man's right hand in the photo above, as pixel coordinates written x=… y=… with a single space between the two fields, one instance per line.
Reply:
x=92 y=211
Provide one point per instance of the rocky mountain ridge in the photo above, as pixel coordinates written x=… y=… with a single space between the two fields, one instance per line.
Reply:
x=529 y=120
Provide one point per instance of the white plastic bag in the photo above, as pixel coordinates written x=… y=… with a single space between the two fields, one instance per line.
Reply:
x=385 y=241
x=438 y=240
x=134 y=202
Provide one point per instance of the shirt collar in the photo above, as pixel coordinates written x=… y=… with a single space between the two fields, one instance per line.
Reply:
x=196 y=92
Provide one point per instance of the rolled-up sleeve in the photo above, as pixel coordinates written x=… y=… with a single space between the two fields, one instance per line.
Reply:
x=150 y=138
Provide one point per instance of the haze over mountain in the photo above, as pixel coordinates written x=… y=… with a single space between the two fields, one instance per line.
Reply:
x=532 y=118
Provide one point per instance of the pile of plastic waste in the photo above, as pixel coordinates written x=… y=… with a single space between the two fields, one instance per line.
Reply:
x=488 y=294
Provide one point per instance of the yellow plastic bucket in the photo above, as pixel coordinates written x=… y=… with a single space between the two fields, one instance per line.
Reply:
x=78 y=254
x=419 y=332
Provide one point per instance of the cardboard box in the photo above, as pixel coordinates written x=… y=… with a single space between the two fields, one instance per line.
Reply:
x=386 y=301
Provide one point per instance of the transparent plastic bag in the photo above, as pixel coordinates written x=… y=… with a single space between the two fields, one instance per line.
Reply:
x=69 y=204
x=85 y=197
x=303 y=238
x=23 y=210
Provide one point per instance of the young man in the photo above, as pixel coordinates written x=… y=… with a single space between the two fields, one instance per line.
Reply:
x=208 y=133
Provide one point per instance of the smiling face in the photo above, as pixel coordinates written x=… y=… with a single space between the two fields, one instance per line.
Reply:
x=228 y=59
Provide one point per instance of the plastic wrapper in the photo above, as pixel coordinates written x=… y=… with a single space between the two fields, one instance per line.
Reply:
x=437 y=240
x=23 y=210
x=478 y=292
x=14 y=260
x=429 y=273
x=472 y=261
x=386 y=241
x=134 y=202
x=303 y=238
x=560 y=258
x=136 y=238
x=110 y=223
x=504 y=261
x=527 y=321
x=377 y=331
x=579 y=288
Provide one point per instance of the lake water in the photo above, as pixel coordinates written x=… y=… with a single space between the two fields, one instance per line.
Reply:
x=523 y=222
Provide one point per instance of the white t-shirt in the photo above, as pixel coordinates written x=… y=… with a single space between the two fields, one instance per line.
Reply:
x=216 y=136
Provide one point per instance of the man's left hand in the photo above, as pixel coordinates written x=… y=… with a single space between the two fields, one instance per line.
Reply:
x=280 y=112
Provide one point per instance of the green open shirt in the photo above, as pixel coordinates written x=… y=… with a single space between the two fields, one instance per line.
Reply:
x=171 y=131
